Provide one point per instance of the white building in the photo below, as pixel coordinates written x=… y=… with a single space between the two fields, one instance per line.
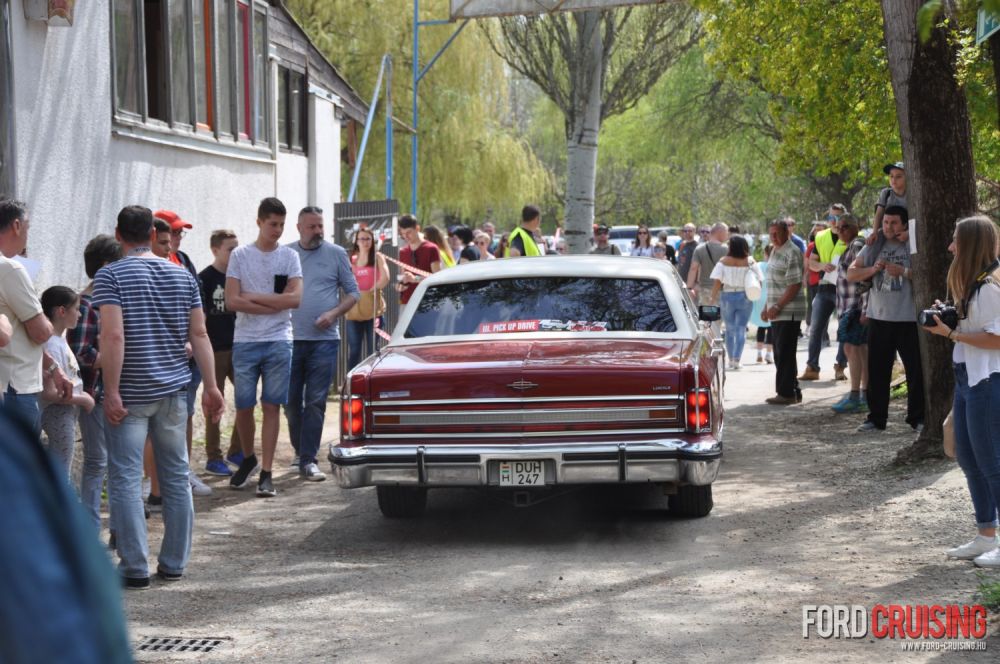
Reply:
x=199 y=106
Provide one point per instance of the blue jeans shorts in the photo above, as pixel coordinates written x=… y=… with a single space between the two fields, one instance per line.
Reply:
x=267 y=361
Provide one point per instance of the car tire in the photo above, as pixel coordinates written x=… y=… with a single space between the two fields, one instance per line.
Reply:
x=691 y=501
x=401 y=502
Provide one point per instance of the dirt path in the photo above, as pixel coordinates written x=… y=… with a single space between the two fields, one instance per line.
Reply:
x=806 y=512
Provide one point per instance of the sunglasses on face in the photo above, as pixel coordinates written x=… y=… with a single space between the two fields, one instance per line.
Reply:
x=601 y=233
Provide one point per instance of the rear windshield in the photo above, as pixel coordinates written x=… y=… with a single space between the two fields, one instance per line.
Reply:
x=542 y=304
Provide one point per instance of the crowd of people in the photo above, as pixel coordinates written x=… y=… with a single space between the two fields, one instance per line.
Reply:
x=125 y=357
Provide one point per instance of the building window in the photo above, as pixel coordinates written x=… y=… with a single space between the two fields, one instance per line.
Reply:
x=6 y=104
x=126 y=24
x=197 y=66
x=261 y=127
x=292 y=109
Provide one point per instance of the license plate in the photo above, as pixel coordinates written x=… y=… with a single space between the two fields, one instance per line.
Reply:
x=522 y=473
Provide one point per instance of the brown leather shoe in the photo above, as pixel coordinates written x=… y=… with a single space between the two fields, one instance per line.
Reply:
x=778 y=400
x=809 y=374
x=838 y=372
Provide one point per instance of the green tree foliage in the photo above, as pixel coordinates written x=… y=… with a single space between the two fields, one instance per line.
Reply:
x=694 y=149
x=823 y=68
x=473 y=164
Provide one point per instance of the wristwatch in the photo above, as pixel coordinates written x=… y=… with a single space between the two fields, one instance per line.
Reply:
x=52 y=369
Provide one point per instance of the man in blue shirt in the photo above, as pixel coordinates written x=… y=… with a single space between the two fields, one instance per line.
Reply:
x=795 y=239
x=326 y=273
x=150 y=308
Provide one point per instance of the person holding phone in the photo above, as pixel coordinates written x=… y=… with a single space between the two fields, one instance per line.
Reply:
x=263 y=285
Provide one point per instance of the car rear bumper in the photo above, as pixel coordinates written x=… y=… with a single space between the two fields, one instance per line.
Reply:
x=664 y=460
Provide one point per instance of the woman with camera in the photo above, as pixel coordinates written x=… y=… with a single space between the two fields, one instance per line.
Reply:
x=973 y=286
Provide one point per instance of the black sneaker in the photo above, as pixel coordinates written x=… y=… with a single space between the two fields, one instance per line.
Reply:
x=168 y=576
x=265 y=489
x=135 y=583
x=241 y=477
x=154 y=503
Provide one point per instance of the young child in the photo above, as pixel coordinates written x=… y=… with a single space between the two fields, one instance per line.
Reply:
x=62 y=306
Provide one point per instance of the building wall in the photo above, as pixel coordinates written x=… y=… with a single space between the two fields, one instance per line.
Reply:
x=75 y=171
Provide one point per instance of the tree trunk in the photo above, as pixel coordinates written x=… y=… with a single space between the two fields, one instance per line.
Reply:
x=940 y=185
x=582 y=127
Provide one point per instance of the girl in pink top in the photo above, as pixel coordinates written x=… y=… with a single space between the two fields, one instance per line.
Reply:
x=372 y=273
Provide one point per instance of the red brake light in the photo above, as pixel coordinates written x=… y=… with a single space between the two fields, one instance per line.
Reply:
x=699 y=411
x=697 y=400
x=352 y=417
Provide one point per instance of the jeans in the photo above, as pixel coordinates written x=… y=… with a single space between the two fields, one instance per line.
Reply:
x=786 y=369
x=192 y=389
x=885 y=339
x=166 y=422
x=823 y=306
x=736 y=308
x=23 y=407
x=95 y=462
x=359 y=339
x=313 y=367
x=976 y=416
x=59 y=425
x=266 y=361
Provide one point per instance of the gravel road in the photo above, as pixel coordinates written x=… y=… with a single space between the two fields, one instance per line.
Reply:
x=806 y=512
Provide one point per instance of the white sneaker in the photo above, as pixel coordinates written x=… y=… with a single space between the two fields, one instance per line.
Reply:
x=198 y=487
x=312 y=473
x=988 y=559
x=976 y=548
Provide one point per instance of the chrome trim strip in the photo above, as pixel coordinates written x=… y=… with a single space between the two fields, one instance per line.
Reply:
x=537 y=416
x=525 y=434
x=451 y=402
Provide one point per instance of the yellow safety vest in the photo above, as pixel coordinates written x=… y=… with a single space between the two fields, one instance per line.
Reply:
x=530 y=248
x=826 y=250
x=446 y=258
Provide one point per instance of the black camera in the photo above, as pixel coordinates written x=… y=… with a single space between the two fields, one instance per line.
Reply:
x=947 y=313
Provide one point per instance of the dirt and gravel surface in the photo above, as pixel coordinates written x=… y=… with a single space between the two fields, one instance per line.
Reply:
x=806 y=512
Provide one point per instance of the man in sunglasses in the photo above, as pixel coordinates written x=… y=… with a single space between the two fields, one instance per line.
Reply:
x=601 y=244
x=685 y=250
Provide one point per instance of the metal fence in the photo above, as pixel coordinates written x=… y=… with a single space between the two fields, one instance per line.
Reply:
x=377 y=216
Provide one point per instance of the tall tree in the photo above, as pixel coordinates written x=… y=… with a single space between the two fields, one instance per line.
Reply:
x=471 y=163
x=593 y=65
x=821 y=66
x=936 y=137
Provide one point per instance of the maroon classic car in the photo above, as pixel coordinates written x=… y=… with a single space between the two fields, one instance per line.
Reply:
x=535 y=375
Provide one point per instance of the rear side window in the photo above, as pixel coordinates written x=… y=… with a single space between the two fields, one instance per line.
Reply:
x=549 y=304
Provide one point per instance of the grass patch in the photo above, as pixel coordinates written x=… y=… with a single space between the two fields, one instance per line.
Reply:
x=989 y=592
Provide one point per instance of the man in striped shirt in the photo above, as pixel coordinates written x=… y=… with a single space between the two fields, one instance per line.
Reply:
x=149 y=309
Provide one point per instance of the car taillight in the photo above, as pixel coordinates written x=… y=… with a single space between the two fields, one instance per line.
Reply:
x=699 y=410
x=352 y=417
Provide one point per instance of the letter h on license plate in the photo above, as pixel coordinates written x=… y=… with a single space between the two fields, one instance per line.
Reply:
x=522 y=473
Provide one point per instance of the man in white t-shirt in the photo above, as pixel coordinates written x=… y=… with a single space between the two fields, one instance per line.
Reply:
x=263 y=284
x=23 y=359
